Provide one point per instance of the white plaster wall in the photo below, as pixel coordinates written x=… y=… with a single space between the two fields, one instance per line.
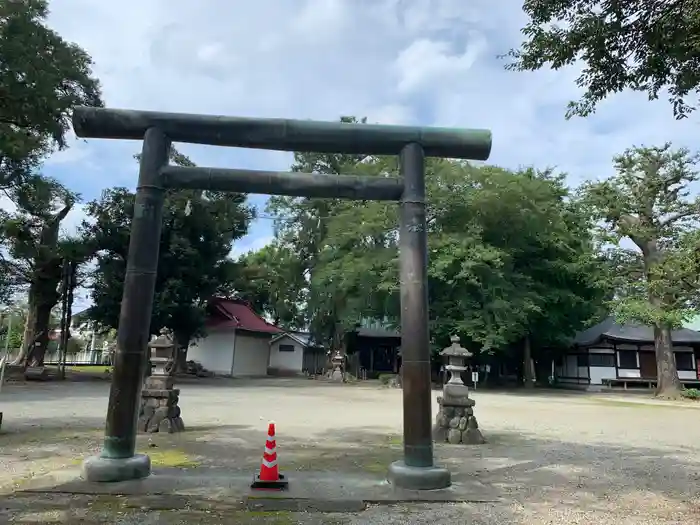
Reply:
x=293 y=361
x=687 y=374
x=251 y=355
x=628 y=373
x=214 y=352
x=598 y=373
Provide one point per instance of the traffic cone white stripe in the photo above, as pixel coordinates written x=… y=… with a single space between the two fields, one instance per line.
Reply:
x=269 y=450
x=269 y=464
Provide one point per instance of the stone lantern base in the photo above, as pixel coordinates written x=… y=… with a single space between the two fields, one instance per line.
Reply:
x=159 y=410
x=455 y=422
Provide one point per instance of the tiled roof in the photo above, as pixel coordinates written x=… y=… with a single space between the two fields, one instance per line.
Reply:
x=303 y=338
x=630 y=333
x=233 y=313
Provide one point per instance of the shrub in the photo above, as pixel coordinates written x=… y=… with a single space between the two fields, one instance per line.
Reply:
x=691 y=393
x=385 y=379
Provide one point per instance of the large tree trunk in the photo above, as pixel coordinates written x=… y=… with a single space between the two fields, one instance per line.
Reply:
x=668 y=384
x=36 y=328
x=43 y=292
x=182 y=343
x=528 y=376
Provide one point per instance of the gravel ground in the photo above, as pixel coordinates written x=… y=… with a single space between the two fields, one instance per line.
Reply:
x=558 y=458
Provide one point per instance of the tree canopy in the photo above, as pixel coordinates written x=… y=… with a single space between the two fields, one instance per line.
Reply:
x=510 y=254
x=42 y=77
x=271 y=280
x=198 y=231
x=642 y=45
x=32 y=252
x=649 y=202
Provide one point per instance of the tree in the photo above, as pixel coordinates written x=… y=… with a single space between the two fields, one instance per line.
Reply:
x=643 y=45
x=198 y=231
x=512 y=264
x=34 y=253
x=13 y=319
x=271 y=280
x=301 y=228
x=648 y=202
x=42 y=77
x=511 y=260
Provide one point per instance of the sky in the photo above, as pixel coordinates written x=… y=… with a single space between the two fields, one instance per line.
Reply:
x=419 y=62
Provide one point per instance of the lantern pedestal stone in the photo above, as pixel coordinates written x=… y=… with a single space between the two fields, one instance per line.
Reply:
x=159 y=410
x=455 y=422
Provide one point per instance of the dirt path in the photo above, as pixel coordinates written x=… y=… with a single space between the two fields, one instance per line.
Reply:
x=557 y=459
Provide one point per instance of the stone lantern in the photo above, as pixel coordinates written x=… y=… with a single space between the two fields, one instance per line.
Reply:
x=159 y=400
x=455 y=357
x=338 y=364
x=455 y=422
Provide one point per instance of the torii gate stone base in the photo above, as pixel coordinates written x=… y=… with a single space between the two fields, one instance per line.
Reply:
x=118 y=461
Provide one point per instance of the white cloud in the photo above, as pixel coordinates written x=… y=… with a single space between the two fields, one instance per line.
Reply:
x=430 y=62
x=425 y=63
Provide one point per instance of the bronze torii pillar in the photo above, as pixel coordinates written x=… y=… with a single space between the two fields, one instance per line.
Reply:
x=118 y=461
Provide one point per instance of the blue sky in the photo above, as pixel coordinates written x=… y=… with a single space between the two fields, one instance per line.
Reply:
x=427 y=62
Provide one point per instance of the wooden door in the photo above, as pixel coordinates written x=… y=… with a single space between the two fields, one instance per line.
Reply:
x=647 y=365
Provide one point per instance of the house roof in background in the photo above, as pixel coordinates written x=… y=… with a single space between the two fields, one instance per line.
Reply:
x=630 y=333
x=235 y=313
x=303 y=338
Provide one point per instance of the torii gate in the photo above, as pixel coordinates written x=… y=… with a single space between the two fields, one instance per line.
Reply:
x=118 y=460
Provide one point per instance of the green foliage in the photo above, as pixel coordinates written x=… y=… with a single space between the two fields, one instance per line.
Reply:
x=510 y=254
x=648 y=201
x=198 y=231
x=386 y=379
x=643 y=45
x=691 y=393
x=271 y=280
x=12 y=330
x=42 y=77
x=302 y=228
x=30 y=245
x=510 y=257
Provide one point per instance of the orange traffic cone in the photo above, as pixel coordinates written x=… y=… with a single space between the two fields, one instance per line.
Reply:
x=270 y=477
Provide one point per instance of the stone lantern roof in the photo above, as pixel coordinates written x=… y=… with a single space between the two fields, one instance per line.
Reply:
x=455 y=349
x=164 y=340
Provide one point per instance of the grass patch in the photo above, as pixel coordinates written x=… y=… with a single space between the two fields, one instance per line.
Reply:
x=173 y=458
x=170 y=458
x=395 y=440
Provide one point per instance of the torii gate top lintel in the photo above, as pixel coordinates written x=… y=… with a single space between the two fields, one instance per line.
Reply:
x=282 y=134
